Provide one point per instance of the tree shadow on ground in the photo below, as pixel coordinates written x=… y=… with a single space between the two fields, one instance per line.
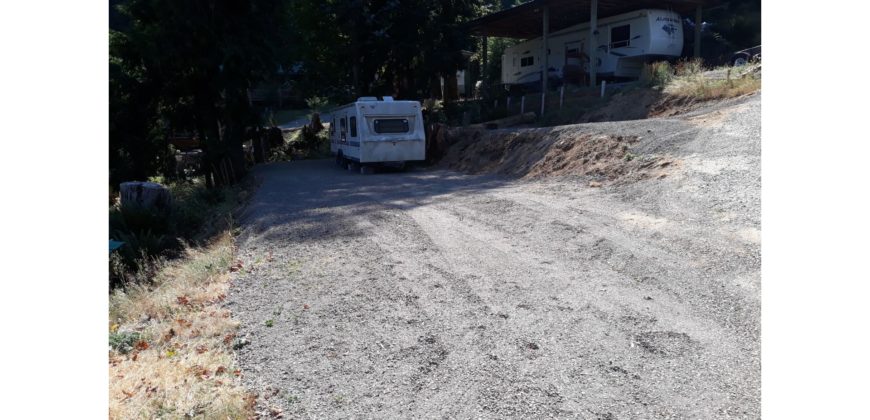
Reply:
x=314 y=200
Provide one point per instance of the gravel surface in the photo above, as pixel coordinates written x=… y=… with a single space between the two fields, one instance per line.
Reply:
x=432 y=294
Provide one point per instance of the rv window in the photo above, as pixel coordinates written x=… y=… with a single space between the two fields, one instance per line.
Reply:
x=620 y=36
x=353 y=126
x=392 y=125
x=527 y=61
x=343 y=126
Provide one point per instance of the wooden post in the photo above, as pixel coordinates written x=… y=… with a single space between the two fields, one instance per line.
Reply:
x=593 y=41
x=561 y=95
x=545 y=53
x=698 y=22
x=484 y=72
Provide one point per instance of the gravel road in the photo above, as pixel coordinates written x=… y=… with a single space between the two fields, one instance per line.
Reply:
x=432 y=294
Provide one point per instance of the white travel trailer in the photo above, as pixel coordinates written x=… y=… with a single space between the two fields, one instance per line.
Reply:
x=625 y=43
x=370 y=131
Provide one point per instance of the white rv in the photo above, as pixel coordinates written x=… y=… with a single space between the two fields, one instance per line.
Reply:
x=625 y=43
x=370 y=131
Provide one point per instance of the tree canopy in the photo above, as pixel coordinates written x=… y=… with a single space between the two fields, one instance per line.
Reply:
x=187 y=66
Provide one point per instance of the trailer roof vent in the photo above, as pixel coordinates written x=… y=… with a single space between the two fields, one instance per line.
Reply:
x=367 y=99
x=388 y=99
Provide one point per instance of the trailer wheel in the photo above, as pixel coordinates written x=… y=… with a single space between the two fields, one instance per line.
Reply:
x=352 y=166
x=740 y=60
x=340 y=160
x=367 y=170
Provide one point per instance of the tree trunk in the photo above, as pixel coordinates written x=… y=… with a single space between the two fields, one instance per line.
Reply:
x=435 y=87
x=451 y=87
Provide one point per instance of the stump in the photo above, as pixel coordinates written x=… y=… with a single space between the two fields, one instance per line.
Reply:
x=315 y=123
x=276 y=139
x=145 y=195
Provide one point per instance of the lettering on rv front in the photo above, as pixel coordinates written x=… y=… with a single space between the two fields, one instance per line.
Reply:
x=667 y=19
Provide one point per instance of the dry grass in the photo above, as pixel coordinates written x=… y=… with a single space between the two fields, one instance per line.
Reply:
x=182 y=364
x=722 y=83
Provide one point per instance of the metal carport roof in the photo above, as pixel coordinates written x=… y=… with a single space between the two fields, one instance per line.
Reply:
x=525 y=20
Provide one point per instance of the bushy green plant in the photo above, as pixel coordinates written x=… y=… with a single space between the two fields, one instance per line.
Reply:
x=317 y=103
x=123 y=341
x=658 y=73
x=309 y=143
x=147 y=234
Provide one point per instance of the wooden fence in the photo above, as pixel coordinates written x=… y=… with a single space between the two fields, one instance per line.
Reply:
x=555 y=100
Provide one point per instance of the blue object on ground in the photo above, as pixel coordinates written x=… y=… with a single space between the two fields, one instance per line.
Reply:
x=113 y=245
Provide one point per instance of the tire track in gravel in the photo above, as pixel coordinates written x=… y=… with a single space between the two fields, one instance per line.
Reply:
x=627 y=312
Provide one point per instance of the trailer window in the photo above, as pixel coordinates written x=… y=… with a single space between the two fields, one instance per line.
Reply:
x=527 y=61
x=620 y=36
x=392 y=125
x=343 y=126
x=353 y=126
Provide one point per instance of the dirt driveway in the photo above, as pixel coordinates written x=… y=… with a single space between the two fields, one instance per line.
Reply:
x=430 y=294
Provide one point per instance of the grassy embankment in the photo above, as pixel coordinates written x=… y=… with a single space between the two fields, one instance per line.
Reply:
x=171 y=342
x=662 y=89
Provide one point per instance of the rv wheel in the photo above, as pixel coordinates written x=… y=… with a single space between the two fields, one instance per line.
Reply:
x=740 y=60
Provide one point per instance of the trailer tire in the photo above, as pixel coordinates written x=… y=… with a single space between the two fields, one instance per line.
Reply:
x=341 y=160
x=741 y=59
x=353 y=166
x=367 y=170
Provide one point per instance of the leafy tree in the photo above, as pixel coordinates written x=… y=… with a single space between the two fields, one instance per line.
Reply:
x=381 y=47
x=187 y=66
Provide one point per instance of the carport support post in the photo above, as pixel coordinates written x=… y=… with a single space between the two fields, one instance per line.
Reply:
x=545 y=62
x=483 y=71
x=593 y=40
x=698 y=22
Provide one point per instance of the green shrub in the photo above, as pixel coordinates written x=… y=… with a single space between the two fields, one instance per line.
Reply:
x=197 y=212
x=658 y=73
x=123 y=342
x=307 y=143
x=317 y=103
